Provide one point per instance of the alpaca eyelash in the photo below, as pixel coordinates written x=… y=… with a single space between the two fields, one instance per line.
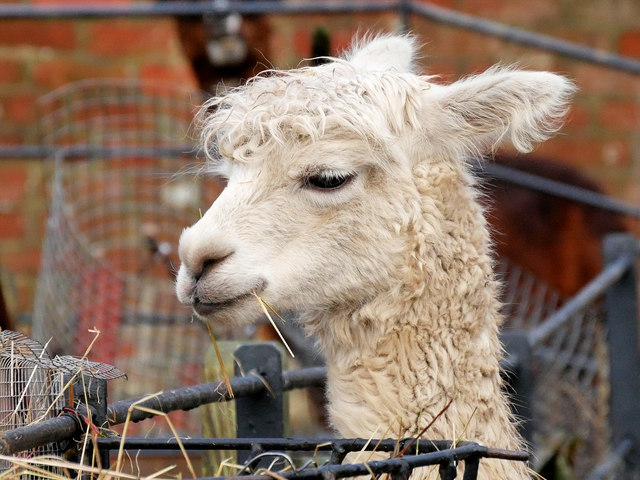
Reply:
x=328 y=180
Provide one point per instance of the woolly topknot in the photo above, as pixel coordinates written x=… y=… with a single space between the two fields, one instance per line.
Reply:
x=280 y=108
x=384 y=53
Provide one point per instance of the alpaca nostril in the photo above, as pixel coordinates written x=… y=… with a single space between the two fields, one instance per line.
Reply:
x=209 y=264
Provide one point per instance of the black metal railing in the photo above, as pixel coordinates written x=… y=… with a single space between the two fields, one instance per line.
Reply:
x=259 y=415
x=547 y=186
x=445 y=454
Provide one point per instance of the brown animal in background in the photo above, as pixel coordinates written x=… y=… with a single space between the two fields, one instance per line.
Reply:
x=209 y=45
x=558 y=240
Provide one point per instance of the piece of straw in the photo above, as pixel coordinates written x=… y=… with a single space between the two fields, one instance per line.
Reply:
x=222 y=367
x=264 y=306
x=423 y=431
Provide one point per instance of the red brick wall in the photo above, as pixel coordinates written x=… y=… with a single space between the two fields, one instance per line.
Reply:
x=36 y=56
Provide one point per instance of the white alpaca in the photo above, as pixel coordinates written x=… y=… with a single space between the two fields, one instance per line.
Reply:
x=349 y=200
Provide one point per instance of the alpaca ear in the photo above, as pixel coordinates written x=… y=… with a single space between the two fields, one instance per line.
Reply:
x=384 y=53
x=475 y=114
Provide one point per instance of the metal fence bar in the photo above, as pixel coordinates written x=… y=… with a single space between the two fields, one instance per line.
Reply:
x=79 y=151
x=23 y=151
x=182 y=8
x=279 y=444
x=262 y=414
x=101 y=153
x=66 y=426
x=621 y=303
x=594 y=289
x=403 y=7
x=34 y=435
x=553 y=187
x=526 y=38
x=614 y=462
x=91 y=391
x=305 y=377
x=517 y=368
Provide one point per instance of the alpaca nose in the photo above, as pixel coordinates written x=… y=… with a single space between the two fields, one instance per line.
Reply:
x=200 y=252
x=209 y=263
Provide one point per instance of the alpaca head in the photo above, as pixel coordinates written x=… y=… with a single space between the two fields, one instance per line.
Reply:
x=319 y=164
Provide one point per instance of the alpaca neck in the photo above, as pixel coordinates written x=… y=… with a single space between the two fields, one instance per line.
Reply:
x=396 y=386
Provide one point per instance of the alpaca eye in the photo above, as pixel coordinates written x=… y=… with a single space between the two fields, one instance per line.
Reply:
x=328 y=180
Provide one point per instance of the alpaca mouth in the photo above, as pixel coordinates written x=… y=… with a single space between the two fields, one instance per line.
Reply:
x=204 y=308
x=207 y=308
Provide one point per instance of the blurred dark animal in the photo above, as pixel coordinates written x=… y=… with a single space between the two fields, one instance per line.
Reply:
x=6 y=321
x=320 y=46
x=558 y=240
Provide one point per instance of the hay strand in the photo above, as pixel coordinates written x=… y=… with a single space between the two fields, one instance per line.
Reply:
x=265 y=308
x=136 y=406
x=423 y=431
x=225 y=376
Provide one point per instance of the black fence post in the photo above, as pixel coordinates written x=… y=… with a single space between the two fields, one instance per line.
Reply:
x=518 y=373
x=262 y=415
x=621 y=302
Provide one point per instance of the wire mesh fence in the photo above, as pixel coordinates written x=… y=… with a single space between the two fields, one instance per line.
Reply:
x=571 y=400
x=526 y=300
x=111 y=112
x=121 y=195
x=571 y=394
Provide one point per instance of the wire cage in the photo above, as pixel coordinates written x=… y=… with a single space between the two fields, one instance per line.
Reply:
x=35 y=387
x=571 y=393
x=29 y=390
x=121 y=196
